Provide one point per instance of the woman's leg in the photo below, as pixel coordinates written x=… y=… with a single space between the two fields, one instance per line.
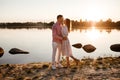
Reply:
x=68 y=63
x=75 y=59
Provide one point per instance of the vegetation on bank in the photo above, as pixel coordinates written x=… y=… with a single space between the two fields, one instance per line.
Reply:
x=102 y=23
x=75 y=24
x=18 y=25
x=108 y=24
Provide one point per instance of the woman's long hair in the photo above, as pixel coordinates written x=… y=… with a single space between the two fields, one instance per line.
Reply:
x=68 y=24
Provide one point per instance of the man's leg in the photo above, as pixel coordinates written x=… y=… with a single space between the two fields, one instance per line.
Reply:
x=59 y=55
x=54 y=46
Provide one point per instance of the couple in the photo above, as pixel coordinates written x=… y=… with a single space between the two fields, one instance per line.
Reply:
x=61 y=42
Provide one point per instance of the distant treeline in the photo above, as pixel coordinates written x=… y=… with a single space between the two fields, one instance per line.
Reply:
x=75 y=24
x=28 y=25
x=101 y=24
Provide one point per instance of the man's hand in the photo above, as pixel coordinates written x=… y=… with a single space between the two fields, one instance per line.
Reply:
x=64 y=38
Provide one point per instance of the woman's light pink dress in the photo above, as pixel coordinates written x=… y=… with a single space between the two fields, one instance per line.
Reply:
x=66 y=47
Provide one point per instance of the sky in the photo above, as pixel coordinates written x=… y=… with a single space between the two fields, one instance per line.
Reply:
x=47 y=10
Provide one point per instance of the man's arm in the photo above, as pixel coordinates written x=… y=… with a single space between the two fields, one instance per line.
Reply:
x=55 y=34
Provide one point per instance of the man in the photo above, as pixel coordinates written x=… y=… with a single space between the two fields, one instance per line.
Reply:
x=57 y=41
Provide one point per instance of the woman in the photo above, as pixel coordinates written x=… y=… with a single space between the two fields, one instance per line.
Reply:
x=66 y=47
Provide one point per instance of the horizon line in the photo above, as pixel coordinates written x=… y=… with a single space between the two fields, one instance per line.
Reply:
x=46 y=21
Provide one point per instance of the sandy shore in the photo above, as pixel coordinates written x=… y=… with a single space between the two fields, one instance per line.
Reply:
x=107 y=68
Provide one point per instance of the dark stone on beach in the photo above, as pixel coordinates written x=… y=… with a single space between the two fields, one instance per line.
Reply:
x=17 y=51
x=1 y=52
x=89 y=48
x=77 y=45
x=73 y=70
x=45 y=66
x=115 y=47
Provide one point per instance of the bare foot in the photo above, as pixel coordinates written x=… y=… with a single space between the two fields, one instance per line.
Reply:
x=77 y=61
x=68 y=65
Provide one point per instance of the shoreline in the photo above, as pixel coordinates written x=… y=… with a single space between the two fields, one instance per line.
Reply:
x=107 y=68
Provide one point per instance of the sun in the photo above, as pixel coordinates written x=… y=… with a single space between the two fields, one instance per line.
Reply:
x=93 y=34
x=94 y=13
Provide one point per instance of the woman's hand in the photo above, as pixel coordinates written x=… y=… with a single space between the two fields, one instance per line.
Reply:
x=64 y=38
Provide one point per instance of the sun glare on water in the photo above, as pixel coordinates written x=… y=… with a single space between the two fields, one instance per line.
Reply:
x=93 y=33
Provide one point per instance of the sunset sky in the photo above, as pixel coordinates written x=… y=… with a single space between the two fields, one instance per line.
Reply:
x=47 y=10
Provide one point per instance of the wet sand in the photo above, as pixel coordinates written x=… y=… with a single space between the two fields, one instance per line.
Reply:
x=107 y=68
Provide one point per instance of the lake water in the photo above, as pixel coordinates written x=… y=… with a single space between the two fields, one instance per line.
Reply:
x=39 y=43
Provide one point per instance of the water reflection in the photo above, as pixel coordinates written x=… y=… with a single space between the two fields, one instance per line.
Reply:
x=108 y=30
x=72 y=28
x=93 y=33
x=38 y=43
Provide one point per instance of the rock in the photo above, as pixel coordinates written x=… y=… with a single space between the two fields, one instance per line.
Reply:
x=45 y=66
x=73 y=70
x=53 y=78
x=27 y=78
x=77 y=45
x=67 y=71
x=115 y=47
x=17 y=51
x=66 y=78
x=1 y=52
x=42 y=73
x=1 y=76
x=9 y=78
x=89 y=48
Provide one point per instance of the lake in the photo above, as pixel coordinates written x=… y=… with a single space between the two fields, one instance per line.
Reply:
x=39 y=43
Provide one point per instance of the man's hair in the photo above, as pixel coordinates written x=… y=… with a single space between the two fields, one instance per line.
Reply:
x=59 y=16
